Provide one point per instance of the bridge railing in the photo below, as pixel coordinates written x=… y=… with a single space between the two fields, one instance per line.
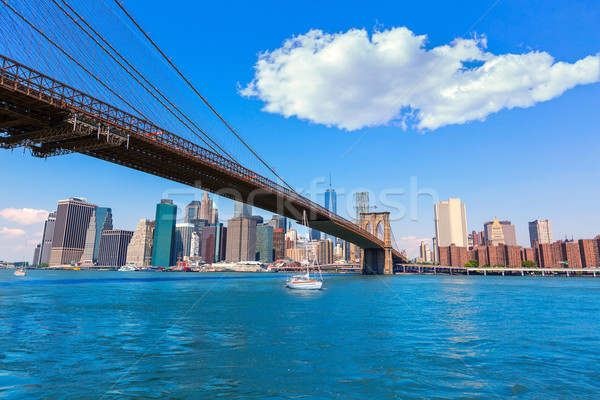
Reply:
x=20 y=78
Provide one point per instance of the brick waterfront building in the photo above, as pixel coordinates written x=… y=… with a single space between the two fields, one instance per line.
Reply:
x=584 y=253
x=590 y=252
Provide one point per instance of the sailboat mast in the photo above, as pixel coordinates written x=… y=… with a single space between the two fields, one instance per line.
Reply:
x=305 y=221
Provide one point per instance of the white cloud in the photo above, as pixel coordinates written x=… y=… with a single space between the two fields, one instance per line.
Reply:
x=351 y=81
x=11 y=232
x=24 y=216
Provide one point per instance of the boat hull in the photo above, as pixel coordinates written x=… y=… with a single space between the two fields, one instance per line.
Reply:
x=20 y=273
x=315 y=285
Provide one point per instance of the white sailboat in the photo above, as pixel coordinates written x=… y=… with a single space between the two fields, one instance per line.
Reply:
x=305 y=282
x=22 y=271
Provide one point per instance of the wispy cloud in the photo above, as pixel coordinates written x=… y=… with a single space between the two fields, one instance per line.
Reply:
x=350 y=80
x=24 y=216
x=11 y=232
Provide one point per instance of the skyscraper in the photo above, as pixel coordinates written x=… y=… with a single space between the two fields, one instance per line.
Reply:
x=36 y=255
x=206 y=207
x=338 y=252
x=278 y=243
x=509 y=236
x=241 y=210
x=90 y=242
x=47 y=238
x=208 y=243
x=451 y=223
x=540 y=232
x=72 y=220
x=324 y=252
x=166 y=215
x=330 y=204
x=296 y=254
x=264 y=243
x=139 y=251
x=182 y=241
x=212 y=243
x=331 y=200
x=362 y=203
x=112 y=250
x=195 y=245
x=278 y=222
x=314 y=234
x=199 y=225
x=347 y=247
x=495 y=233
x=477 y=239
x=214 y=216
x=101 y=220
x=241 y=239
x=425 y=253
x=292 y=236
x=192 y=211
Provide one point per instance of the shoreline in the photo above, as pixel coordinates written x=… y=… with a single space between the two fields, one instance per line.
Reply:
x=413 y=270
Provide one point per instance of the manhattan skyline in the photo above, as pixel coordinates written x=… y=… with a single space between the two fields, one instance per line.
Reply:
x=509 y=165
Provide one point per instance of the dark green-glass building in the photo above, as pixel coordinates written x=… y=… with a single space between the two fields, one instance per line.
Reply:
x=264 y=243
x=166 y=216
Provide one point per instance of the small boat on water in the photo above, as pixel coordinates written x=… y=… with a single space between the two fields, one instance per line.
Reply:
x=127 y=268
x=305 y=282
x=22 y=271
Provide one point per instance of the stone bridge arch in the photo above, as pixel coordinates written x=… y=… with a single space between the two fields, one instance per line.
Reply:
x=377 y=261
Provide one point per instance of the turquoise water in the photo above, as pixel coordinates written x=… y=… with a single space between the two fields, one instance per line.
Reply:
x=80 y=334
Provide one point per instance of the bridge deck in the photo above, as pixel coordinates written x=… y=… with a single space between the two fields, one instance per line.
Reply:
x=52 y=118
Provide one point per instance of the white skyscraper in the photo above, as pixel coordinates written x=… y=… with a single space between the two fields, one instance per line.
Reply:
x=139 y=251
x=182 y=239
x=195 y=245
x=425 y=253
x=451 y=223
x=292 y=235
x=540 y=231
x=47 y=238
x=214 y=215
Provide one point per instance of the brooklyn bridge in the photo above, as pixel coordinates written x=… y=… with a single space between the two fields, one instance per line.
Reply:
x=71 y=82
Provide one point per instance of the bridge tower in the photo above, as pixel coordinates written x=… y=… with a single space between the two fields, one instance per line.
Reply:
x=377 y=261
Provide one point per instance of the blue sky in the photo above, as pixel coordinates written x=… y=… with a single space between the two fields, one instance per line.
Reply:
x=519 y=164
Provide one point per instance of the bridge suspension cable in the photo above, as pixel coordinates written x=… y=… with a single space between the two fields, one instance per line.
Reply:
x=80 y=18
x=95 y=46
x=187 y=81
x=74 y=60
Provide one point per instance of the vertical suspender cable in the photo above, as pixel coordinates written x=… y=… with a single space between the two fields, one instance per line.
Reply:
x=199 y=95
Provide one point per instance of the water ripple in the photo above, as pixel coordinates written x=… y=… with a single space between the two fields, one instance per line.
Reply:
x=79 y=334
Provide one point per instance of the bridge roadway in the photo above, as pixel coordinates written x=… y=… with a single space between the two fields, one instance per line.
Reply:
x=52 y=118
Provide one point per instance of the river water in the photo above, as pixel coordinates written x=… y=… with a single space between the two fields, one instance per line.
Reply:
x=93 y=334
